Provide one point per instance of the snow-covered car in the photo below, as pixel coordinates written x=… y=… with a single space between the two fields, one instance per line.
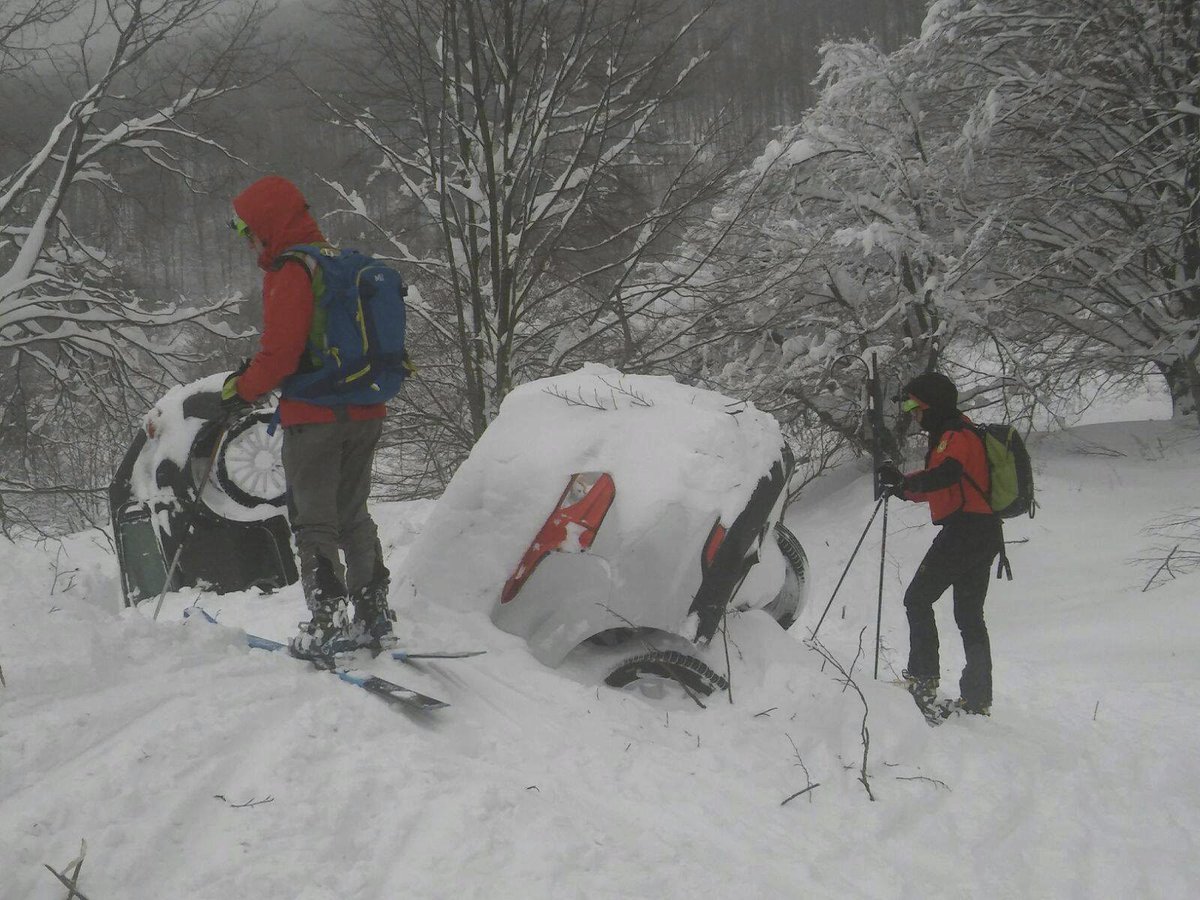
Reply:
x=209 y=491
x=618 y=511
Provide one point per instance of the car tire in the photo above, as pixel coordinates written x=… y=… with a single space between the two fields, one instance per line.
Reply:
x=249 y=468
x=785 y=608
x=669 y=664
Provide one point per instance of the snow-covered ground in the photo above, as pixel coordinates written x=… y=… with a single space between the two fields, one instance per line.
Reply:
x=195 y=768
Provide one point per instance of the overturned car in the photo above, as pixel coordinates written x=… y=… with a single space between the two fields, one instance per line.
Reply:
x=201 y=494
x=628 y=513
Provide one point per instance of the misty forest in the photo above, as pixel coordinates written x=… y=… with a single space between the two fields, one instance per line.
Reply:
x=762 y=197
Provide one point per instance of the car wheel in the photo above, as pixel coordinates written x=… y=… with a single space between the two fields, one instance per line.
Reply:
x=250 y=465
x=785 y=608
x=667 y=665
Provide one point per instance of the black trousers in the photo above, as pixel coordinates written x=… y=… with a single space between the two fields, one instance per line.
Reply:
x=959 y=558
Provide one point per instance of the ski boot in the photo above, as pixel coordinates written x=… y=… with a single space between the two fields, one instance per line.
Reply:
x=373 y=618
x=319 y=637
x=961 y=707
x=924 y=694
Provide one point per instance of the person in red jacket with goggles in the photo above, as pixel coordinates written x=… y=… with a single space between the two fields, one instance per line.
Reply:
x=327 y=451
x=962 y=553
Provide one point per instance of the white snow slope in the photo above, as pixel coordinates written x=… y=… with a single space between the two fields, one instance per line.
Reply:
x=195 y=768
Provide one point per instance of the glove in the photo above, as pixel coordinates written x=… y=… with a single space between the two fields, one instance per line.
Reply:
x=232 y=404
x=891 y=480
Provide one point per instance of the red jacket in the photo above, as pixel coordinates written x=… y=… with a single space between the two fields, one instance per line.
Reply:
x=956 y=458
x=276 y=212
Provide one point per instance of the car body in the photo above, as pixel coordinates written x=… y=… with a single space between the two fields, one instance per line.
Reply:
x=205 y=494
x=620 y=511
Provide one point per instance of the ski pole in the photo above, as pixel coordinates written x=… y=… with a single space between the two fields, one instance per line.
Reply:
x=191 y=525
x=879 y=607
x=846 y=570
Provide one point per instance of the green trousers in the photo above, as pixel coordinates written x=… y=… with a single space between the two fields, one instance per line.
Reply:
x=328 y=471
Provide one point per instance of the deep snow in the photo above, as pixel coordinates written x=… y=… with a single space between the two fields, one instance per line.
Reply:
x=197 y=769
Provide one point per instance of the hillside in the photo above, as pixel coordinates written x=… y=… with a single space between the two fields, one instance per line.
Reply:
x=194 y=768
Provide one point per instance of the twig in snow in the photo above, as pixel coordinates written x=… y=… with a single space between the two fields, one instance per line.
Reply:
x=765 y=712
x=725 y=641
x=71 y=884
x=799 y=793
x=932 y=781
x=60 y=574
x=848 y=681
x=253 y=801
x=1166 y=564
x=635 y=398
x=578 y=399
x=800 y=763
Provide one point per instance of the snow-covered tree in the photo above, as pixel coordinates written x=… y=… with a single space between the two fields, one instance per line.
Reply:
x=854 y=248
x=1011 y=198
x=76 y=335
x=524 y=176
x=1085 y=139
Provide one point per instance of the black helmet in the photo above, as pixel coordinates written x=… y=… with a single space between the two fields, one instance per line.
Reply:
x=935 y=390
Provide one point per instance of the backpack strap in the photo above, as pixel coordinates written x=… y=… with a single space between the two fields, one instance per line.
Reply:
x=1002 y=564
x=300 y=255
x=971 y=427
x=1003 y=567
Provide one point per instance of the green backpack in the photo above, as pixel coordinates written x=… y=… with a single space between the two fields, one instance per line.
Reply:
x=1010 y=473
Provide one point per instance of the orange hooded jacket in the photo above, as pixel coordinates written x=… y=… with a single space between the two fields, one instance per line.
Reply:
x=956 y=454
x=277 y=214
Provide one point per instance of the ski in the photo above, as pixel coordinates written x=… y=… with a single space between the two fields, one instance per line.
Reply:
x=347 y=648
x=405 y=655
x=380 y=687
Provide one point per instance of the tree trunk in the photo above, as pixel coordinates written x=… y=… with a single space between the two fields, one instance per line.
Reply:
x=1183 y=381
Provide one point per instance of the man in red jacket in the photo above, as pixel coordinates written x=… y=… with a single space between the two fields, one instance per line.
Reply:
x=327 y=451
x=954 y=484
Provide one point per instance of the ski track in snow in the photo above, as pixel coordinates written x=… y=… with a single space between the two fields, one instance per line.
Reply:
x=127 y=733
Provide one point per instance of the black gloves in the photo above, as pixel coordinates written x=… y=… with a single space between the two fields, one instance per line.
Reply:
x=232 y=404
x=891 y=480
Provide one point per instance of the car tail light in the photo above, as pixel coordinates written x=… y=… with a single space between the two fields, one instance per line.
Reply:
x=571 y=528
x=716 y=537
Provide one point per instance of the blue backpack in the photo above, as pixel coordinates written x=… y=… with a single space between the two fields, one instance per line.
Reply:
x=355 y=353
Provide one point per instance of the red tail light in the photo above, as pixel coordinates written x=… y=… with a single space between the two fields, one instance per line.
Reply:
x=716 y=538
x=571 y=528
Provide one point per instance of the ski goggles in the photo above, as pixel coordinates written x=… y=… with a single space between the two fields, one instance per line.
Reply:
x=242 y=229
x=912 y=404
